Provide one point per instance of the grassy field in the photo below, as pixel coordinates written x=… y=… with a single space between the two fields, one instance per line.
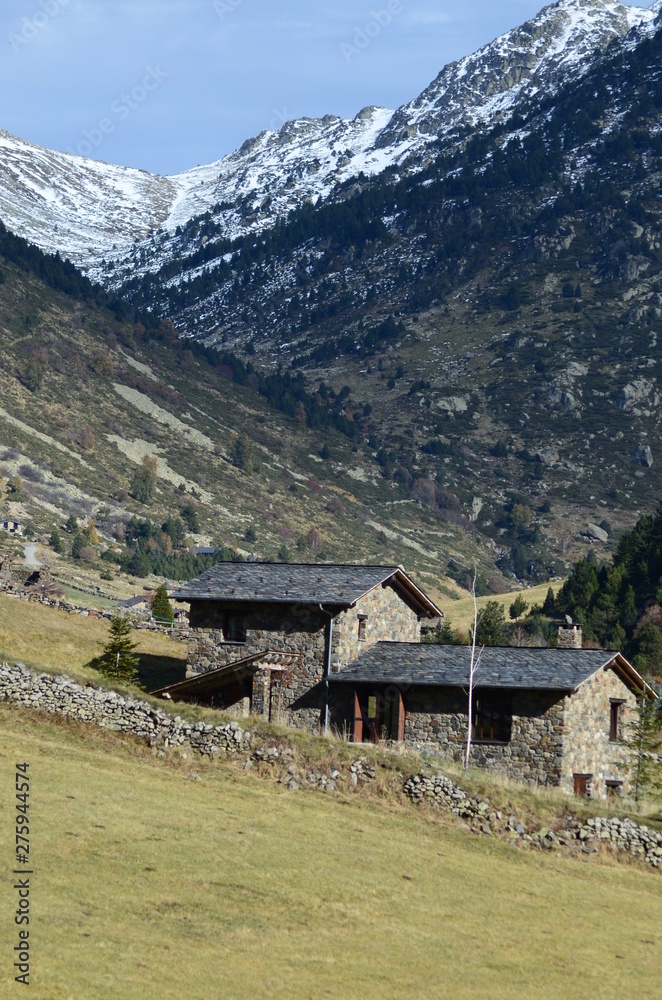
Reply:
x=147 y=884
x=54 y=640
x=461 y=613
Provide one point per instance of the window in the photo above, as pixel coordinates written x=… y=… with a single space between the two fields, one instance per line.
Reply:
x=379 y=715
x=235 y=629
x=363 y=627
x=614 y=788
x=492 y=717
x=581 y=783
x=615 y=719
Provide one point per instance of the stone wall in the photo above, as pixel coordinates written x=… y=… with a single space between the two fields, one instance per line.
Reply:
x=299 y=629
x=586 y=745
x=387 y=619
x=109 y=710
x=615 y=833
x=436 y=721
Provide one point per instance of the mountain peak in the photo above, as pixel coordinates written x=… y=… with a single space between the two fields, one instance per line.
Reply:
x=94 y=212
x=565 y=37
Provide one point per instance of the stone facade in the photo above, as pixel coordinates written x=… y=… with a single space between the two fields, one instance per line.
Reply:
x=298 y=695
x=436 y=721
x=297 y=629
x=380 y=616
x=587 y=748
x=553 y=736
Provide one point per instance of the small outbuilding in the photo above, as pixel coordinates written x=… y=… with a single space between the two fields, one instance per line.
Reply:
x=12 y=527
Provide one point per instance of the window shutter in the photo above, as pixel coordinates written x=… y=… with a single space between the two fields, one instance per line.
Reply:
x=358 y=720
x=401 y=717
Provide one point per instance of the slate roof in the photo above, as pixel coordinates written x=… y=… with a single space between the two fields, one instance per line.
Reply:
x=287 y=583
x=420 y=664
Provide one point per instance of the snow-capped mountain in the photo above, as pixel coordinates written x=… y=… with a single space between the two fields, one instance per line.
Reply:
x=95 y=213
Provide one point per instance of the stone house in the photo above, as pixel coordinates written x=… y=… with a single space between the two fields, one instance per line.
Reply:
x=340 y=646
x=265 y=637
x=542 y=716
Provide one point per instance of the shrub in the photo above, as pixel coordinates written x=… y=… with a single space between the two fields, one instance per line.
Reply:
x=143 y=482
x=77 y=546
x=242 y=453
x=55 y=541
x=86 y=438
x=314 y=540
x=190 y=516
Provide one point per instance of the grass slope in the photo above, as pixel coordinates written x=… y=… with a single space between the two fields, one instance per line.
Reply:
x=149 y=884
x=55 y=641
x=461 y=613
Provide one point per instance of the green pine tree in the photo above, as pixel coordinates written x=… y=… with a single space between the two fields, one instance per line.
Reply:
x=491 y=625
x=55 y=541
x=518 y=607
x=117 y=661
x=643 y=740
x=161 y=606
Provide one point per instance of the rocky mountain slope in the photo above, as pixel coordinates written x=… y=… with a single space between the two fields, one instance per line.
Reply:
x=465 y=342
x=86 y=397
x=113 y=221
x=498 y=310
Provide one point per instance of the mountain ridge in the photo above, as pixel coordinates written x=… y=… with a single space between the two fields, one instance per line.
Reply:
x=95 y=213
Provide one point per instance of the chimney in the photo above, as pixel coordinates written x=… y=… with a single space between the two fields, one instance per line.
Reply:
x=570 y=638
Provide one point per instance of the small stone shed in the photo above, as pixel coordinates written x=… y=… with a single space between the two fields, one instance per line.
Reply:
x=542 y=716
x=12 y=527
x=266 y=637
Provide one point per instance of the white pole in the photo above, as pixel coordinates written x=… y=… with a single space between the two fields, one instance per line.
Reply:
x=473 y=666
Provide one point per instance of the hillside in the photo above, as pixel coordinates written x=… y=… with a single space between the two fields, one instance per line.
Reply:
x=503 y=303
x=460 y=347
x=223 y=861
x=85 y=398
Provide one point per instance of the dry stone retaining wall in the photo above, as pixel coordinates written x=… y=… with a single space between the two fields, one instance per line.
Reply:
x=110 y=710
x=622 y=835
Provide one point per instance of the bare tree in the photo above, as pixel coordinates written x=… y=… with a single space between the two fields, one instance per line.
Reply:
x=474 y=664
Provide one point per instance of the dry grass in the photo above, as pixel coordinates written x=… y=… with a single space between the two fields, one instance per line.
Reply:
x=54 y=641
x=148 y=884
x=461 y=613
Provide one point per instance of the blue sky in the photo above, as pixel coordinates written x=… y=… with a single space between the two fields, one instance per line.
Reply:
x=170 y=84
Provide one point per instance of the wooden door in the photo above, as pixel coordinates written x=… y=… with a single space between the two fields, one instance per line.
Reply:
x=580 y=782
x=401 y=717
